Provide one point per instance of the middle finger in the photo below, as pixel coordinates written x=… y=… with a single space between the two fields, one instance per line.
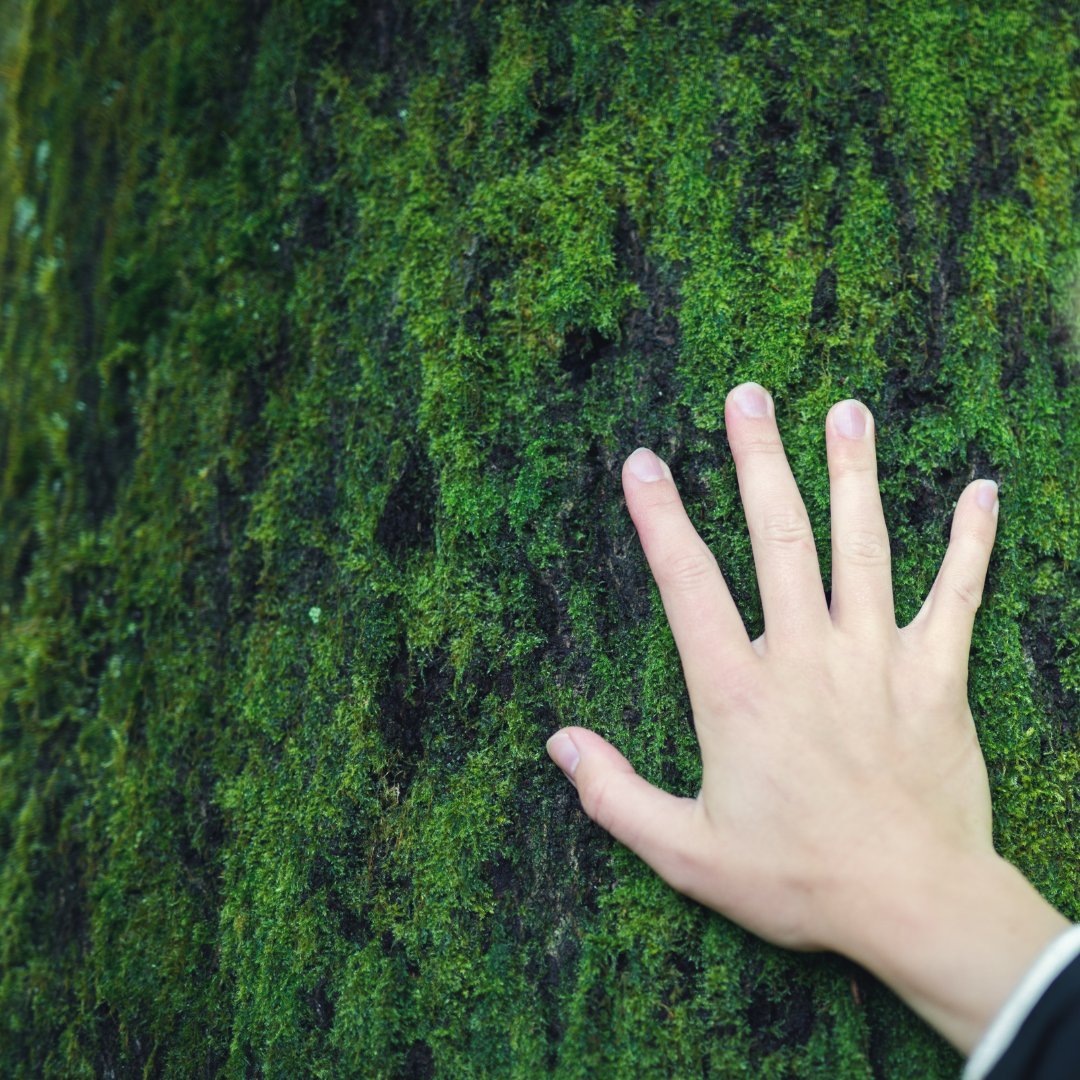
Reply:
x=785 y=555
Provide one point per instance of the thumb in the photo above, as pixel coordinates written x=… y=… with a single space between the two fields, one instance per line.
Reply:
x=664 y=830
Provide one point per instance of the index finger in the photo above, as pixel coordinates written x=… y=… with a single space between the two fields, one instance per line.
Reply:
x=705 y=622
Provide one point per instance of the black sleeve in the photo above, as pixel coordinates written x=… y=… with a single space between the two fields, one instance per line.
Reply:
x=1047 y=1046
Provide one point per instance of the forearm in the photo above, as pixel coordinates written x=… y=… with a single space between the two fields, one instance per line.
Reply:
x=952 y=935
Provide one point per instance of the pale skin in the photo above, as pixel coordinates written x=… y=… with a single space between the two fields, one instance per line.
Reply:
x=844 y=802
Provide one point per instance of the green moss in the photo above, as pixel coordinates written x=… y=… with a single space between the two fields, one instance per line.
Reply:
x=357 y=311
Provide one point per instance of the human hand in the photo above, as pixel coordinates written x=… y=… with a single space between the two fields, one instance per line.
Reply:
x=840 y=764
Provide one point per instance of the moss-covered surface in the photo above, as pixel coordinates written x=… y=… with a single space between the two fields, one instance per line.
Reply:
x=325 y=329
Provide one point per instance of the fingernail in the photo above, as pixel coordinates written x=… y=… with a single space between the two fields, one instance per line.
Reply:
x=645 y=465
x=563 y=752
x=751 y=399
x=987 y=495
x=850 y=420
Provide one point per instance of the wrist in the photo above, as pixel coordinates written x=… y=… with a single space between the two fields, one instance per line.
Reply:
x=952 y=933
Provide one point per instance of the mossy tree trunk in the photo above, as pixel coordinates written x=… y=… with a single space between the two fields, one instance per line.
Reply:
x=325 y=329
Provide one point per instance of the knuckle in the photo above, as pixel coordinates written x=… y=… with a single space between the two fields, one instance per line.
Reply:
x=865 y=547
x=929 y=673
x=688 y=868
x=596 y=801
x=786 y=528
x=731 y=687
x=749 y=444
x=686 y=570
x=853 y=462
x=665 y=500
x=967 y=592
x=737 y=691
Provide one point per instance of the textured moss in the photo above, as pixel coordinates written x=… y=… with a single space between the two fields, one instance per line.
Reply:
x=325 y=329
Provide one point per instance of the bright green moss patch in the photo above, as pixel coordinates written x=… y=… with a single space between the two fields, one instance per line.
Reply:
x=324 y=332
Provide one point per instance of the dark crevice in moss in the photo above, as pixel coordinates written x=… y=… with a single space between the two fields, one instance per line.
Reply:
x=419 y=1063
x=410 y=695
x=583 y=348
x=407 y=522
x=996 y=165
x=320 y=1006
x=1041 y=638
x=777 y=1021
x=823 y=306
